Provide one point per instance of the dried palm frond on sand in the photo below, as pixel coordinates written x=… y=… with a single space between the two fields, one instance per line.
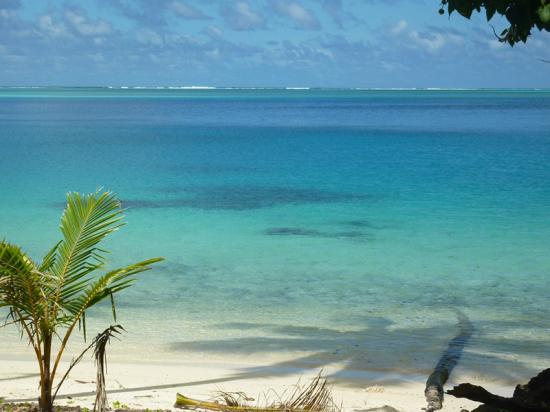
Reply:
x=315 y=397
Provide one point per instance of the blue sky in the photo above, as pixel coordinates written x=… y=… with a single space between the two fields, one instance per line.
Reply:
x=330 y=43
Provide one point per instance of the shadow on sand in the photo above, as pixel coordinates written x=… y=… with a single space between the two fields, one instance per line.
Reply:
x=379 y=354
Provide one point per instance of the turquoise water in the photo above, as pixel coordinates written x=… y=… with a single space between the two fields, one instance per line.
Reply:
x=306 y=226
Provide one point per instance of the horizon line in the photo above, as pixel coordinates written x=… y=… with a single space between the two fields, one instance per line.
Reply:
x=291 y=88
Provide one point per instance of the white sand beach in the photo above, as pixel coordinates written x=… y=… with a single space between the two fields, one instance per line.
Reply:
x=154 y=385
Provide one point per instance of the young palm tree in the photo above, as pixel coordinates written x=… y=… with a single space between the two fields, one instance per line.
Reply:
x=48 y=300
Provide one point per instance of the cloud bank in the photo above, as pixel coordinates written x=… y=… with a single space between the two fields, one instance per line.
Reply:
x=330 y=43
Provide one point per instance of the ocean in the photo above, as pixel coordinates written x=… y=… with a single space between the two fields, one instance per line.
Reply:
x=302 y=228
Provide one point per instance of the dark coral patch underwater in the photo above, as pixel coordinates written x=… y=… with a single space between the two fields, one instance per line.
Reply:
x=256 y=197
x=296 y=231
x=238 y=198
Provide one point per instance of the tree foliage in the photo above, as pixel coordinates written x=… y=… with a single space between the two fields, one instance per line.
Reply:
x=48 y=300
x=522 y=15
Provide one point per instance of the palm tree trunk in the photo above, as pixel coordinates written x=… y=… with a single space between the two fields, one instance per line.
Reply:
x=45 y=402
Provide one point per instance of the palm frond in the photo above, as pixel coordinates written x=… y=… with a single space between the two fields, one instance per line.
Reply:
x=86 y=221
x=100 y=355
x=21 y=290
x=20 y=282
x=315 y=397
x=49 y=260
x=13 y=260
x=106 y=286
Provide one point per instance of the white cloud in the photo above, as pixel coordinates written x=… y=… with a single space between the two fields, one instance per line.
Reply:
x=213 y=32
x=399 y=27
x=187 y=11
x=7 y=13
x=301 y=17
x=149 y=37
x=86 y=28
x=392 y=66
x=49 y=27
x=240 y=16
x=496 y=45
x=456 y=39
x=325 y=52
x=431 y=42
x=431 y=39
x=213 y=54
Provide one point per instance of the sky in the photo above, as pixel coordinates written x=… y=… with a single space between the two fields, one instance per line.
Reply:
x=279 y=43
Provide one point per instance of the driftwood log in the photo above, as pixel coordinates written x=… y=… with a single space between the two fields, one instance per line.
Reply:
x=447 y=361
x=532 y=397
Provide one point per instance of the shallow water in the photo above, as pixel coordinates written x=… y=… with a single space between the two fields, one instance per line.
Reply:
x=319 y=226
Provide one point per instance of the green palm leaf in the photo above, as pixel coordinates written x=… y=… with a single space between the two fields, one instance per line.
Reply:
x=49 y=260
x=86 y=221
x=21 y=282
x=108 y=284
x=21 y=290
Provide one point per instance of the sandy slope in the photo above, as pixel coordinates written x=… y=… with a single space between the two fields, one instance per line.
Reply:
x=154 y=385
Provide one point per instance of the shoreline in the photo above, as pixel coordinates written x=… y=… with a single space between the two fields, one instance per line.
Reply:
x=154 y=385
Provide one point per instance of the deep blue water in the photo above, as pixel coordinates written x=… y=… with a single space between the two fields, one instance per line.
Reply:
x=316 y=225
